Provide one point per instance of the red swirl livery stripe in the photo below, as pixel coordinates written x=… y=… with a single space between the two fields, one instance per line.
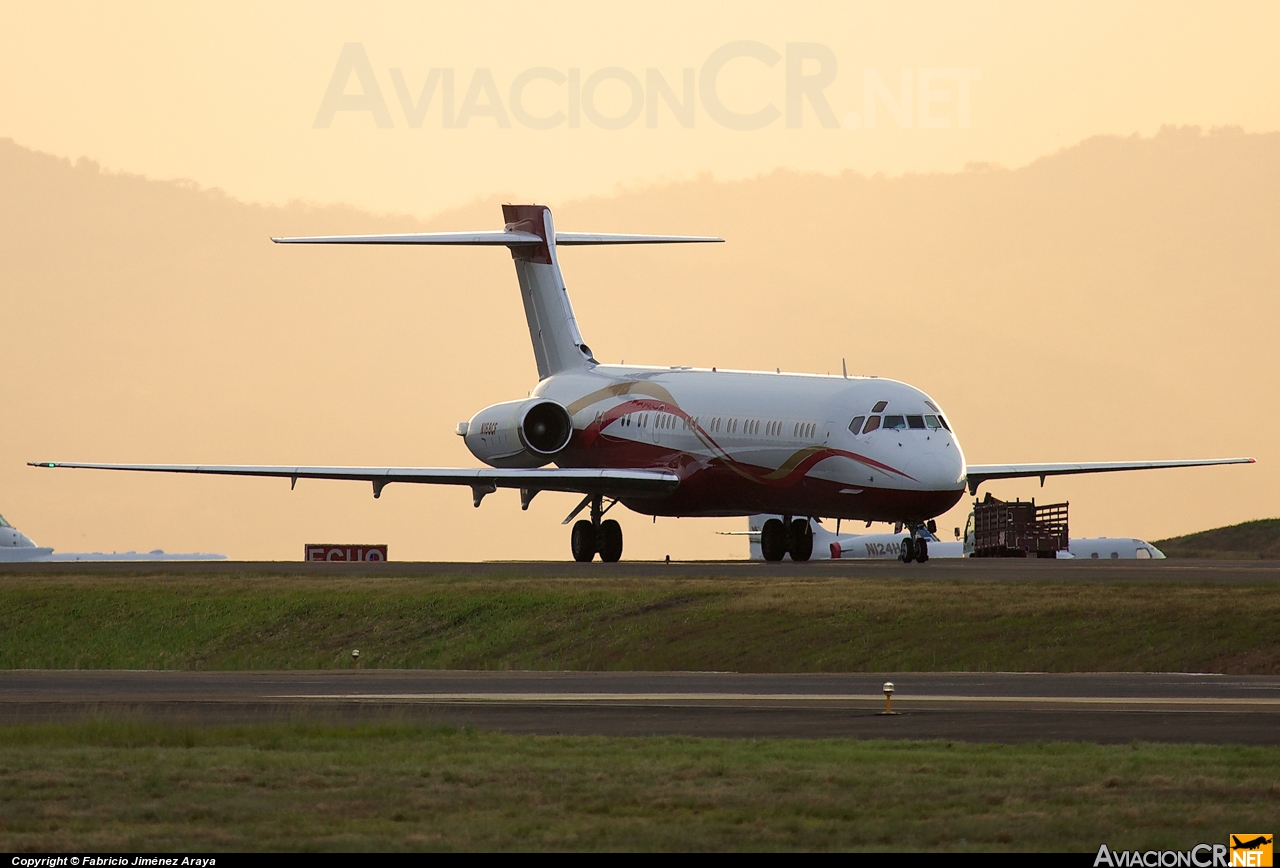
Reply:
x=788 y=473
x=803 y=461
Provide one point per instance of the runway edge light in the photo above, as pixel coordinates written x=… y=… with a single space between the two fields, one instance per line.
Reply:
x=888 y=698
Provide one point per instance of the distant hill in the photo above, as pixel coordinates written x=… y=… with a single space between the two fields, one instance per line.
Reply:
x=1252 y=539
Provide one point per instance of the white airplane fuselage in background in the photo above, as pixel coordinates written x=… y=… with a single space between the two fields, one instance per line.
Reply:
x=888 y=546
x=675 y=441
x=828 y=545
x=1113 y=548
x=17 y=547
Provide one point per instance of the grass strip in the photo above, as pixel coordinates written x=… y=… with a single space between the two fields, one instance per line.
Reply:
x=122 y=786
x=452 y=622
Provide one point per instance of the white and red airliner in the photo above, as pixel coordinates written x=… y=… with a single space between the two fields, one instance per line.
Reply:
x=680 y=441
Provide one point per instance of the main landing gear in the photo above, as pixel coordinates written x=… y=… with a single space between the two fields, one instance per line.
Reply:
x=914 y=548
x=594 y=537
x=788 y=536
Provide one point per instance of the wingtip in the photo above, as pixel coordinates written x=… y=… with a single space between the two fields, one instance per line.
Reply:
x=42 y=464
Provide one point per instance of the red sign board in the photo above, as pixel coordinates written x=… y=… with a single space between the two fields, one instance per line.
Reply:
x=346 y=553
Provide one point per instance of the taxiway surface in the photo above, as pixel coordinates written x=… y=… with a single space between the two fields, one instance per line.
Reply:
x=986 y=707
x=945 y=570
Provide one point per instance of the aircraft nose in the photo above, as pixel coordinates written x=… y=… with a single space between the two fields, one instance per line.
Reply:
x=938 y=471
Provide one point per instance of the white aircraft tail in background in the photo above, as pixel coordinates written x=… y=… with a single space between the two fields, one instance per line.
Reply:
x=17 y=546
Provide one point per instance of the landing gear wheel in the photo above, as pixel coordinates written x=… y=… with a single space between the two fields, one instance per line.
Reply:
x=922 y=550
x=907 y=551
x=801 y=540
x=583 y=542
x=610 y=541
x=773 y=540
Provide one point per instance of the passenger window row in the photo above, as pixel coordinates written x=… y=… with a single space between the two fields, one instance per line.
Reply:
x=719 y=424
x=773 y=428
x=769 y=428
x=644 y=420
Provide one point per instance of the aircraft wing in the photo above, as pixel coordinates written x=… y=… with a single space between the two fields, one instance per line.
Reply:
x=980 y=473
x=482 y=480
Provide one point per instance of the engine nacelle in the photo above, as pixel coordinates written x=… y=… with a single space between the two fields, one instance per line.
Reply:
x=525 y=433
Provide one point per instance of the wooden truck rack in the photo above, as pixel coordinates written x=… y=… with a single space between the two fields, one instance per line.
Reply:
x=1020 y=529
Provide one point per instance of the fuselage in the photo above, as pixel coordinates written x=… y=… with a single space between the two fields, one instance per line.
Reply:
x=749 y=442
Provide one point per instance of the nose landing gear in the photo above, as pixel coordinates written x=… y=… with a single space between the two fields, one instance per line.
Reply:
x=916 y=547
x=595 y=536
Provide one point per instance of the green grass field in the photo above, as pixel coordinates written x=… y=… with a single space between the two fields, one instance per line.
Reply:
x=825 y=624
x=128 y=787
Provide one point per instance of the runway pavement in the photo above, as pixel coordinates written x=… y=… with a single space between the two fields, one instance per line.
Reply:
x=948 y=570
x=986 y=707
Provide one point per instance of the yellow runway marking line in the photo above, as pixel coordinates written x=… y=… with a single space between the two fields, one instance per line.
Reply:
x=778 y=697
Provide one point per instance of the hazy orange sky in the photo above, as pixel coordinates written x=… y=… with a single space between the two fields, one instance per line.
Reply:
x=155 y=322
x=228 y=93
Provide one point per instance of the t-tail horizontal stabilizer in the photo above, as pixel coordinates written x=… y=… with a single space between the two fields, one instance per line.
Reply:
x=503 y=238
x=532 y=239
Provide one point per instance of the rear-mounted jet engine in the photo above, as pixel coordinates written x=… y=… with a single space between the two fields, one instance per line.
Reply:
x=525 y=433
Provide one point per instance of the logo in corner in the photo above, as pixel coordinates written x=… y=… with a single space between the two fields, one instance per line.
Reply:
x=1251 y=850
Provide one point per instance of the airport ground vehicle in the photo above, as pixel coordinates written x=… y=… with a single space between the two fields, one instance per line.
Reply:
x=1018 y=530
x=675 y=441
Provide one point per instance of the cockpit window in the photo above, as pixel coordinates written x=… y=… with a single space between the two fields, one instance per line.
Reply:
x=895 y=423
x=916 y=422
x=932 y=422
x=879 y=407
x=872 y=424
x=856 y=425
x=4 y=523
x=943 y=420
